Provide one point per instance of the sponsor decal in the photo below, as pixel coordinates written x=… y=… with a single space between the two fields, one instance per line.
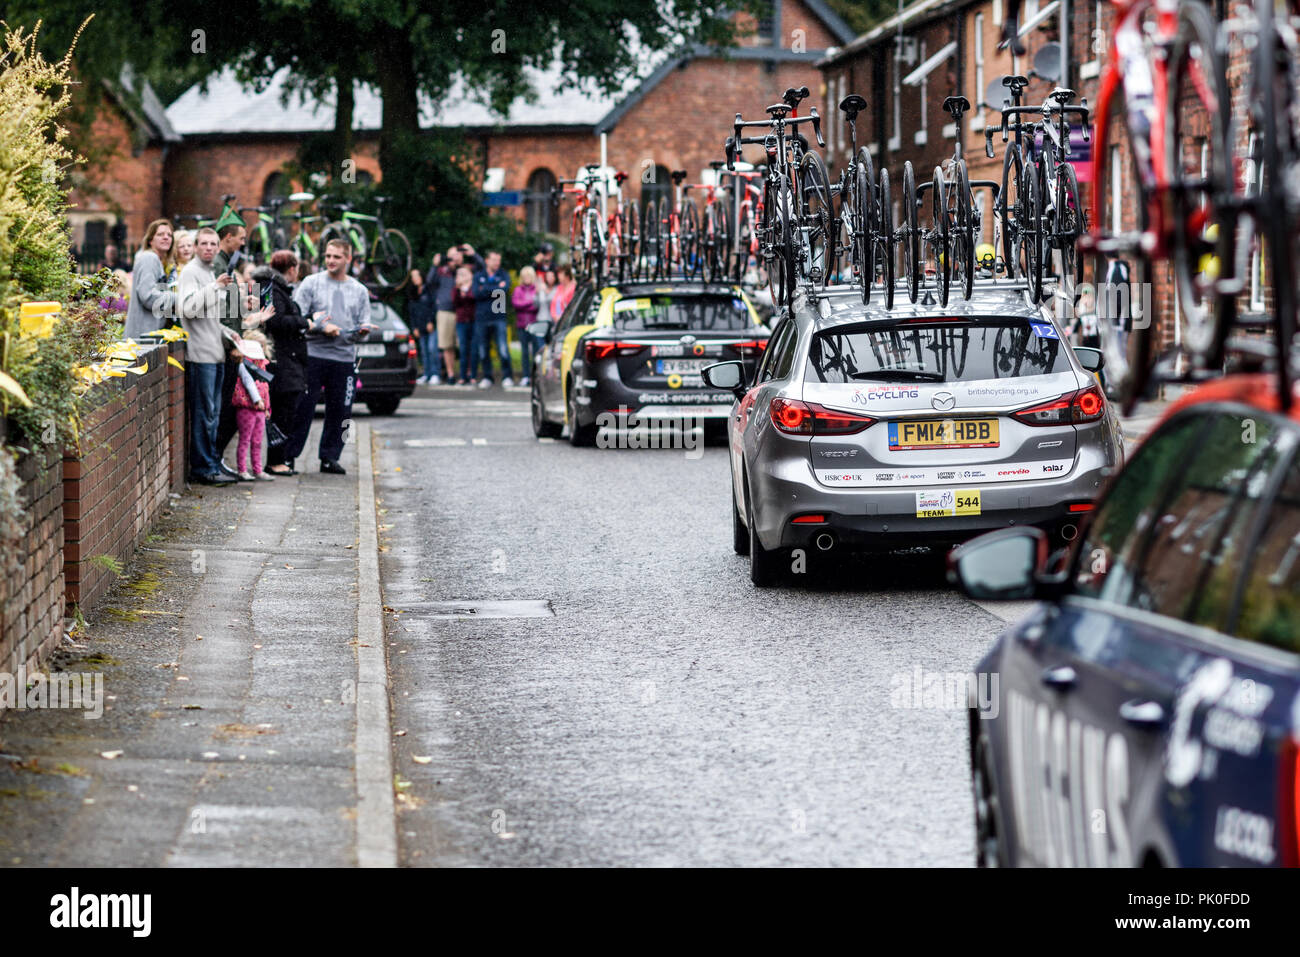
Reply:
x=1244 y=834
x=884 y=476
x=1053 y=468
x=1044 y=330
x=1013 y=471
x=629 y=305
x=674 y=381
x=838 y=453
x=946 y=476
x=947 y=502
x=698 y=348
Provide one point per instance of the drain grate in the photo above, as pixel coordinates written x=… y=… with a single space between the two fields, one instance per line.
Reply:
x=469 y=610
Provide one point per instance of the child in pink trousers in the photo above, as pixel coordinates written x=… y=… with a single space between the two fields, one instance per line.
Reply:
x=252 y=402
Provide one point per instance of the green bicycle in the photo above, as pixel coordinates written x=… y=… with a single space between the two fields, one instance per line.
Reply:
x=266 y=234
x=385 y=253
x=302 y=245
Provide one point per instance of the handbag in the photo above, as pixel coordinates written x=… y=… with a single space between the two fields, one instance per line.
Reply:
x=275 y=436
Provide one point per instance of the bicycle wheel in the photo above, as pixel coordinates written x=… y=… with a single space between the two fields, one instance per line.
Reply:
x=863 y=238
x=817 y=215
x=651 y=251
x=615 y=259
x=1197 y=165
x=784 y=265
x=884 y=237
x=594 y=246
x=689 y=246
x=911 y=233
x=1123 y=209
x=1275 y=63
x=1070 y=224
x=391 y=259
x=632 y=239
x=941 y=243
x=1010 y=203
x=1031 y=227
x=963 y=231
x=721 y=240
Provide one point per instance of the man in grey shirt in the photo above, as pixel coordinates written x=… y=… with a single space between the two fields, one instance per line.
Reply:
x=339 y=309
x=200 y=295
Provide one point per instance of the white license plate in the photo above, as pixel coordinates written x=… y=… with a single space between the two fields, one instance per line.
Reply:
x=370 y=351
x=680 y=366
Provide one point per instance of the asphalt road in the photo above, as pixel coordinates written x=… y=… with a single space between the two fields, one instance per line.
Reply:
x=588 y=677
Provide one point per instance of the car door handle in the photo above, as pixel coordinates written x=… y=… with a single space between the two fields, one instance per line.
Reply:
x=1062 y=677
x=1147 y=714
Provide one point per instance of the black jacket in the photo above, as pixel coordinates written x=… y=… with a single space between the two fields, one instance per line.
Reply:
x=288 y=332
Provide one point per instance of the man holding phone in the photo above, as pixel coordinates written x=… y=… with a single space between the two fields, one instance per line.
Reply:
x=236 y=303
x=339 y=309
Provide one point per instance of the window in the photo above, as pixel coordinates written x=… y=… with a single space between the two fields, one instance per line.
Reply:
x=776 y=358
x=581 y=305
x=1110 y=551
x=978 y=120
x=1254 y=183
x=540 y=214
x=684 y=313
x=767 y=22
x=1270 y=598
x=896 y=138
x=923 y=129
x=277 y=186
x=1116 y=180
x=365 y=177
x=660 y=190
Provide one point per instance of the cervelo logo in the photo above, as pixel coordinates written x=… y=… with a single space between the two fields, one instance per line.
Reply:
x=1013 y=471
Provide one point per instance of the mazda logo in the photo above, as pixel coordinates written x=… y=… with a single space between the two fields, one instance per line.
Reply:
x=686 y=340
x=943 y=401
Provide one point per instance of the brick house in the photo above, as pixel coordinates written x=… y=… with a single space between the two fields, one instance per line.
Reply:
x=674 y=115
x=951 y=47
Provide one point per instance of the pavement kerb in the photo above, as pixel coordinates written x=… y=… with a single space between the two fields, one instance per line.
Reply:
x=376 y=814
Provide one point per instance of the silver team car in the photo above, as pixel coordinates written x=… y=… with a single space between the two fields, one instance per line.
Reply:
x=868 y=429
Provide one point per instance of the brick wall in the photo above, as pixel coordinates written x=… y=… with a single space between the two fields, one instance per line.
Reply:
x=32 y=605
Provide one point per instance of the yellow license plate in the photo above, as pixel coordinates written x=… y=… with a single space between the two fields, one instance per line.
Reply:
x=944 y=503
x=944 y=434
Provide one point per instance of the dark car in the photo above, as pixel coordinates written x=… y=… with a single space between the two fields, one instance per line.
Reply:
x=636 y=350
x=386 y=369
x=1149 y=711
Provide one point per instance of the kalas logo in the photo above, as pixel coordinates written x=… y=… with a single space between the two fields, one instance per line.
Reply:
x=1053 y=468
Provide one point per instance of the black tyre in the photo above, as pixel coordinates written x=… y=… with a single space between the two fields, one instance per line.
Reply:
x=720 y=251
x=632 y=238
x=1033 y=226
x=764 y=566
x=1197 y=160
x=392 y=259
x=885 y=236
x=911 y=233
x=941 y=246
x=739 y=533
x=817 y=215
x=581 y=436
x=651 y=246
x=1010 y=205
x=1071 y=224
x=383 y=405
x=542 y=428
x=689 y=246
x=963 y=238
x=988 y=811
x=863 y=238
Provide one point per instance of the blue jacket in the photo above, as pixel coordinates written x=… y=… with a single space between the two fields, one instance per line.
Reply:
x=485 y=291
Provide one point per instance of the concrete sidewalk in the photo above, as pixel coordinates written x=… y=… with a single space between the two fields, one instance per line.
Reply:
x=228 y=650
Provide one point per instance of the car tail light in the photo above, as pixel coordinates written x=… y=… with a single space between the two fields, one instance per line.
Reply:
x=753 y=347
x=1086 y=405
x=1288 y=810
x=808 y=520
x=603 y=350
x=809 y=418
x=1083 y=506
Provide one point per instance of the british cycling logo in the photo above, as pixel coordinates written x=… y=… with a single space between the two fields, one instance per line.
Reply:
x=74 y=910
x=873 y=395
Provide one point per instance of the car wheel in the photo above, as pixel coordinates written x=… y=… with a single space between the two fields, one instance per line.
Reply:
x=739 y=533
x=988 y=840
x=541 y=428
x=385 y=405
x=764 y=566
x=583 y=436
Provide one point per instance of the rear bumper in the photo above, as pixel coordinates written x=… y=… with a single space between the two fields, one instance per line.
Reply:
x=885 y=519
x=605 y=392
x=395 y=382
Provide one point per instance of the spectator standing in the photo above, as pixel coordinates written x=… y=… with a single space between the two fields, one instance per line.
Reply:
x=152 y=304
x=563 y=292
x=528 y=299
x=1115 y=303
x=491 y=292
x=184 y=248
x=340 y=309
x=440 y=286
x=252 y=401
x=418 y=318
x=200 y=295
x=110 y=260
x=231 y=236
x=288 y=329
x=465 y=305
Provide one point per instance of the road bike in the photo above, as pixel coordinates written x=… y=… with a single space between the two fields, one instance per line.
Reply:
x=266 y=234
x=623 y=235
x=715 y=227
x=866 y=221
x=302 y=244
x=781 y=230
x=749 y=213
x=378 y=251
x=586 y=228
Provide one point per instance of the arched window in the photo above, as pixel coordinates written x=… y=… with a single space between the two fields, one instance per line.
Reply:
x=365 y=177
x=276 y=186
x=660 y=189
x=540 y=215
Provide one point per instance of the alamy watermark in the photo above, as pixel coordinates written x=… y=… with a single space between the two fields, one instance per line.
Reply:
x=946 y=691
x=624 y=429
x=61 y=690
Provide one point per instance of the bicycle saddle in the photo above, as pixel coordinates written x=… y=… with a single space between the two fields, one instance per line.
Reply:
x=1061 y=95
x=778 y=111
x=301 y=197
x=716 y=164
x=852 y=105
x=620 y=178
x=1016 y=84
x=956 y=105
x=678 y=175
x=793 y=96
x=592 y=167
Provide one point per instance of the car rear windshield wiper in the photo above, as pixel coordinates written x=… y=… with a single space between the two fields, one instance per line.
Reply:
x=900 y=375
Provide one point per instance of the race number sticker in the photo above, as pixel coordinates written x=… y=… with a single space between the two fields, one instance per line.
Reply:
x=948 y=502
x=1044 y=330
x=624 y=305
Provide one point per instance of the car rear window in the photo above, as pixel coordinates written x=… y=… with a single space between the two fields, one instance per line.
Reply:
x=937 y=351
x=685 y=313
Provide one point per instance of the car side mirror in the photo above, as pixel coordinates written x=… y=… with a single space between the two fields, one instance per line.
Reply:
x=542 y=328
x=1093 y=360
x=1007 y=565
x=725 y=375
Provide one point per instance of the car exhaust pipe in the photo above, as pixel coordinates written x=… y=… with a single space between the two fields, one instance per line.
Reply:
x=825 y=541
x=1069 y=532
